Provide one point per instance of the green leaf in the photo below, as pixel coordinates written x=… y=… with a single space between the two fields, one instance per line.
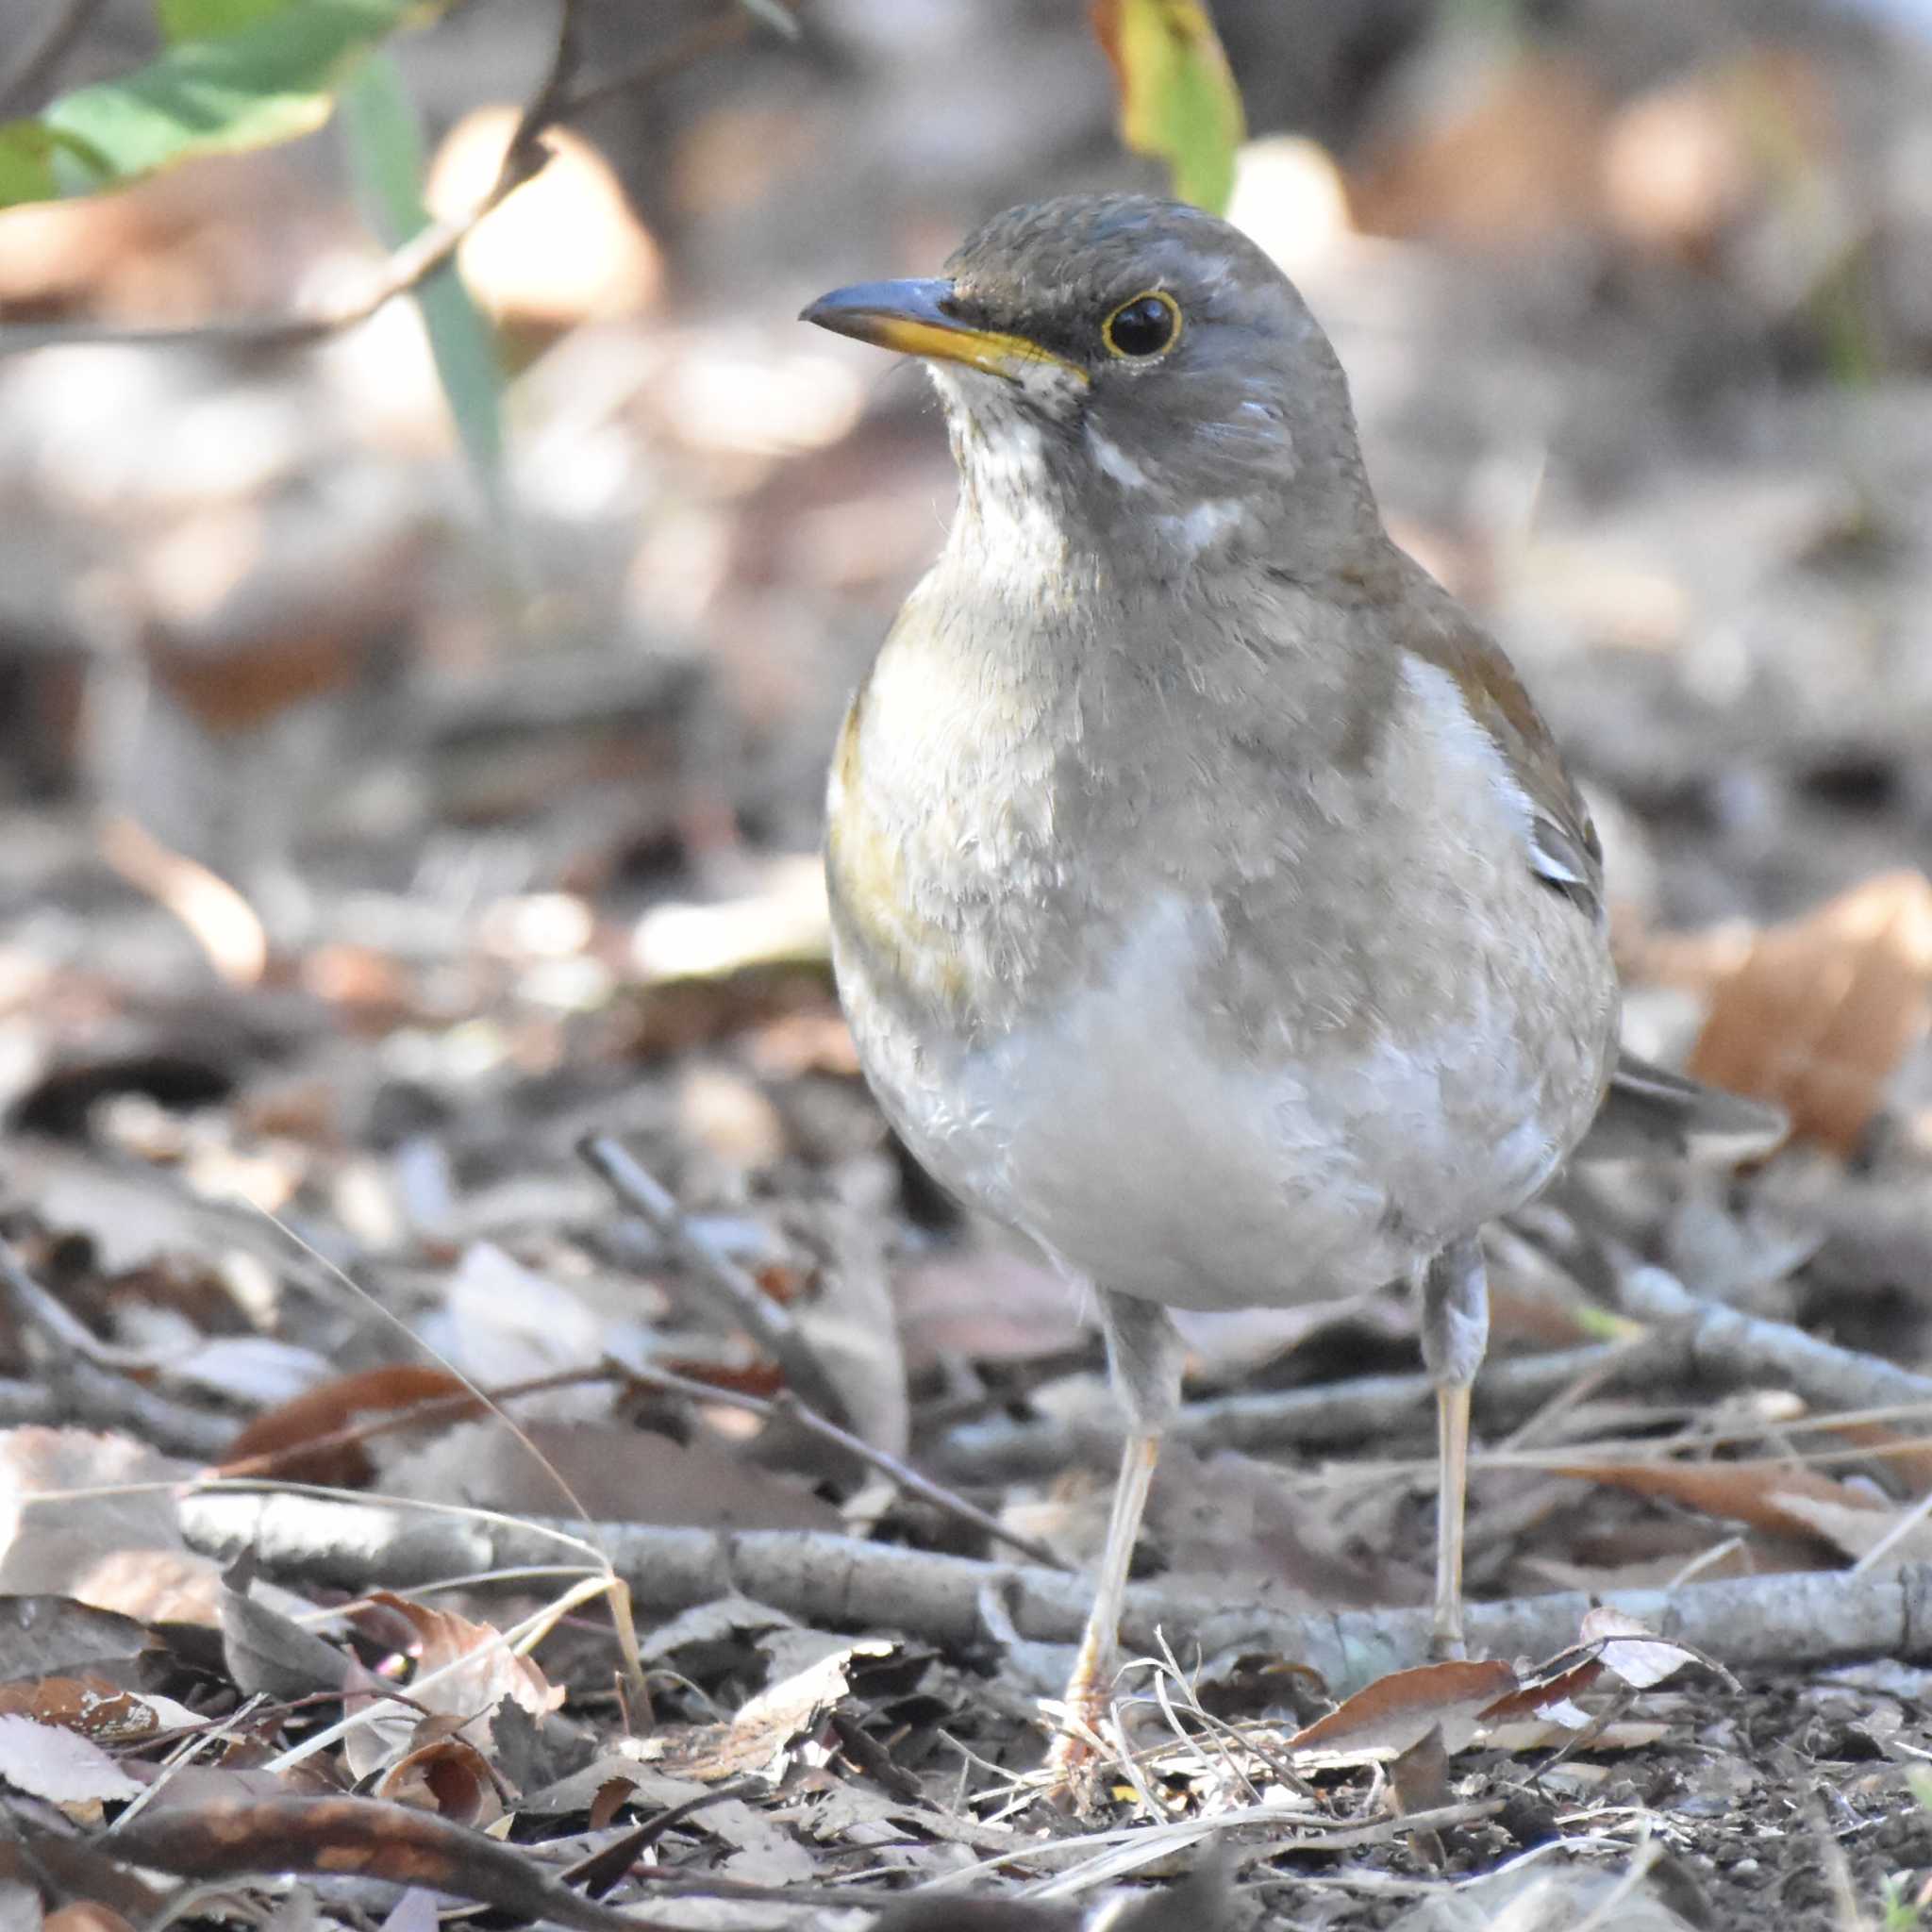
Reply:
x=267 y=80
x=1179 y=98
x=384 y=147
x=208 y=20
x=28 y=155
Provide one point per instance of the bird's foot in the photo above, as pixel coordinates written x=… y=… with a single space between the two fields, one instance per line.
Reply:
x=1077 y=1758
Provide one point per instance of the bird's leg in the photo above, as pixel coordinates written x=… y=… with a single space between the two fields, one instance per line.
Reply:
x=1455 y=1329
x=1146 y=1353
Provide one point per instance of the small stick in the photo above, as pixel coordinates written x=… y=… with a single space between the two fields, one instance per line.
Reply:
x=762 y=1318
x=788 y=1405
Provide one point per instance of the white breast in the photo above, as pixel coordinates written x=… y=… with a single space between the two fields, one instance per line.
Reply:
x=1154 y=1160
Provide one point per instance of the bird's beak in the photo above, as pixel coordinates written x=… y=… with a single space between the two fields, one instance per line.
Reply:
x=912 y=317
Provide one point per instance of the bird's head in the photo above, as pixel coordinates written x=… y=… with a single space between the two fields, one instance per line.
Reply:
x=1137 y=371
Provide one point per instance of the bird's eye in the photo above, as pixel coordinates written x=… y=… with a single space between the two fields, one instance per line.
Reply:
x=1144 y=325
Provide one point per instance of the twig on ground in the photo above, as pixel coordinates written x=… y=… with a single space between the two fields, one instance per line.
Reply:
x=1720 y=1344
x=1005 y=1450
x=98 y=1398
x=412 y=262
x=1693 y=1341
x=87 y=1380
x=70 y=1335
x=785 y=1403
x=27 y=1403
x=837 y=1582
x=77 y=1392
x=760 y=1317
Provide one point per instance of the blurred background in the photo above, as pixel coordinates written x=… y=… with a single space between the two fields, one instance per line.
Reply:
x=401 y=774
x=1635 y=297
x=413 y=733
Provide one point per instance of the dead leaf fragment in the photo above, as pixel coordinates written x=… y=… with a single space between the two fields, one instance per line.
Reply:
x=359 y=1837
x=90 y=1707
x=464 y=1670
x=1781 y=1498
x=55 y=1636
x=1411 y=1718
x=1396 y=1712
x=1634 y=1651
x=59 y=1765
x=1419 y=1778
x=1820 y=1013
x=221 y=921
x=771 y=1727
x=310 y=1438
x=119 y=1547
x=447 y=1775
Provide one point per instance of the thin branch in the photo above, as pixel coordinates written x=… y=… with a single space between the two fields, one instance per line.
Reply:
x=760 y=1317
x=707 y=37
x=1364 y=1408
x=86 y=1379
x=70 y=1336
x=835 y=1582
x=412 y=262
x=461 y=1404
x=903 y=1476
x=22 y=90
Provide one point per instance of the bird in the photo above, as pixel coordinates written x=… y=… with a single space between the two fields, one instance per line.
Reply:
x=1209 y=902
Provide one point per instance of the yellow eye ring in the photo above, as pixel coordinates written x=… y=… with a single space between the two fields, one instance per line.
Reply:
x=1143 y=327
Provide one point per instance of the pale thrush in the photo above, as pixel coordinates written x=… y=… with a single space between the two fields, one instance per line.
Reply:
x=1209 y=902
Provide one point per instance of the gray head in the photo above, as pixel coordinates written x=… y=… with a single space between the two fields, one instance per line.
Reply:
x=1139 y=373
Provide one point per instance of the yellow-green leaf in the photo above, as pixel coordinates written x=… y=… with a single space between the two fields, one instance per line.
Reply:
x=1179 y=98
x=267 y=79
x=207 y=20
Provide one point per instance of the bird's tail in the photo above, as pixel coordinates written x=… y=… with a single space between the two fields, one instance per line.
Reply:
x=1652 y=1114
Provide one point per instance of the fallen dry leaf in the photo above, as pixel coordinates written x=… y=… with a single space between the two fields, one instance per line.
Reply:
x=1456 y=1703
x=464 y=1670
x=1396 y=1712
x=90 y=1515
x=1634 y=1652
x=221 y=921
x=359 y=1837
x=768 y=1729
x=59 y=1765
x=56 y=1636
x=1906 y=1458
x=311 y=1439
x=90 y=1707
x=1781 y=1498
x=446 y=1774
x=269 y=1654
x=1820 y=1013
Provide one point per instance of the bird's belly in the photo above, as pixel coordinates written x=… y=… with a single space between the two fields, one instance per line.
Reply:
x=1151 y=1154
